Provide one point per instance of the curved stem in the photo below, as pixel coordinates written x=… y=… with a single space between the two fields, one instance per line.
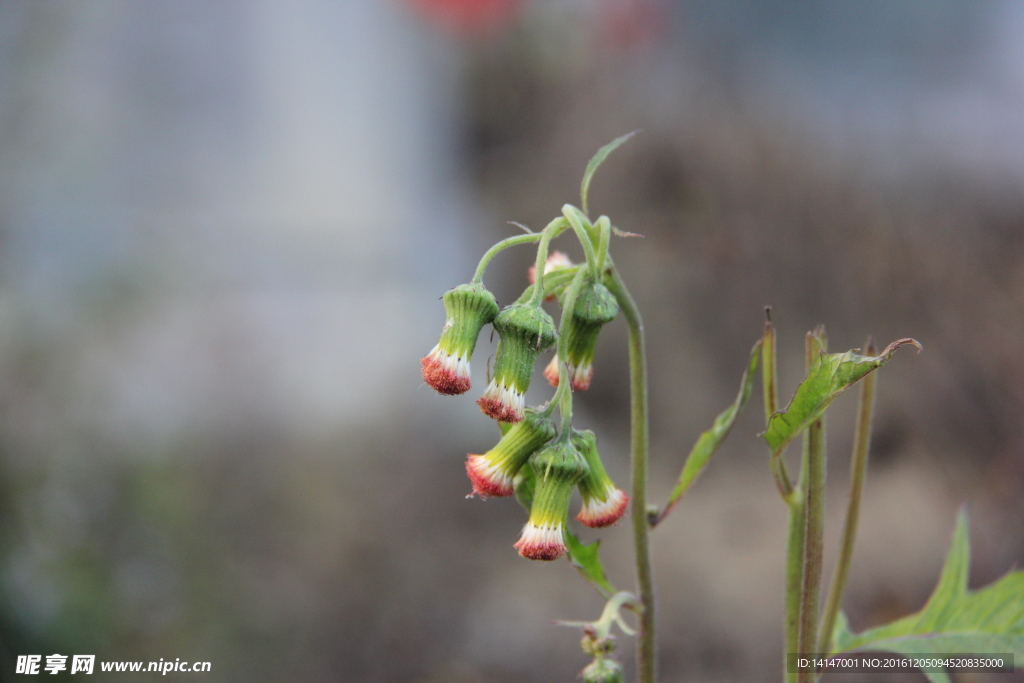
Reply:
x=604 y=237
x=576 y=220
x=493 y=251
x=560 y=277
x=646 y=645
x=551 y=230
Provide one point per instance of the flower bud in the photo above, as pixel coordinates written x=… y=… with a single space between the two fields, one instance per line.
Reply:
x=602 y=671
x=446 y=368
x=524 y=331
x=603 y=502
x=595 y=306
x=594 y=645
x=493 y=473
x=557 y=469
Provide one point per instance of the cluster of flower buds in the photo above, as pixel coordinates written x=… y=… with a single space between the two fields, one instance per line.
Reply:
x=531 y=460
x=603 y=669
x=595 y=307
x=529 y=457
x=554 y=469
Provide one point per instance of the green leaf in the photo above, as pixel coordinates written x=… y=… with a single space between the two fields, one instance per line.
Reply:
x=585 y=558
x=524 y=485
x=828 y=377
x=955 y=620
x=595 y=162
x=709 y=441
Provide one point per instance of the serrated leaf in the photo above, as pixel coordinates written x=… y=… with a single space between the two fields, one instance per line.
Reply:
x=585 y=558
x=596 y=162
x=708 y=442
x=829 y=376
x=955 y=620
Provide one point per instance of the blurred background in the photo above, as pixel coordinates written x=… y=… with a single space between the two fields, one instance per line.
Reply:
x=225 y=228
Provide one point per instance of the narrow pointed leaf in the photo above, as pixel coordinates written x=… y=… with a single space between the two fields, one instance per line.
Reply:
x=595 y=162
x=709 y=441
x=585 y=558
x=955 y=620
x=828 y=377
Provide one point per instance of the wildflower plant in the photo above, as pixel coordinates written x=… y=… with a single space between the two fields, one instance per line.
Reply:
x=542 y=460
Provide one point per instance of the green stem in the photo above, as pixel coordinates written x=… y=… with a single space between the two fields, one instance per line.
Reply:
x=769 y=368
x=858 y=473
x=810 y=591
x=794 y=576
x=604 y=236
x=646 y=645
x=552 y=281
x=578 y=222
x=769 y=387
x=564 y=391
x=797 y=517
x=493 y=251
x=551 y=230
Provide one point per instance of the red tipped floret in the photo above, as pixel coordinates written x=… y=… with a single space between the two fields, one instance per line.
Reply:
x=541 y=542
x=492 y=473
x=446 y=373
x=597 y=513
x=502 y=402
x=579 y=375
x=488 y=478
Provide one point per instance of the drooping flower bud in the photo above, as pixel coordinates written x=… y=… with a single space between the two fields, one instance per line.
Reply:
x=602 y=670
x=468 y=307
x=493 y=472
x=524 y=331
x=557 y=468
x=603 y=502
x=595 y=306
x=556 y=261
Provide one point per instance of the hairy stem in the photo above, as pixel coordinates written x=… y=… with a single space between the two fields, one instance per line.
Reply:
x=858 y=473
x=646 y=647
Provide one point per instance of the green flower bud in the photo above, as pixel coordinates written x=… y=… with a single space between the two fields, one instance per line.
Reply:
x=524 y=331
x=493 y=473
x=595 y=306
x=446 y=368
x=603 y=502
x=602 y=671
x=557 y=468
